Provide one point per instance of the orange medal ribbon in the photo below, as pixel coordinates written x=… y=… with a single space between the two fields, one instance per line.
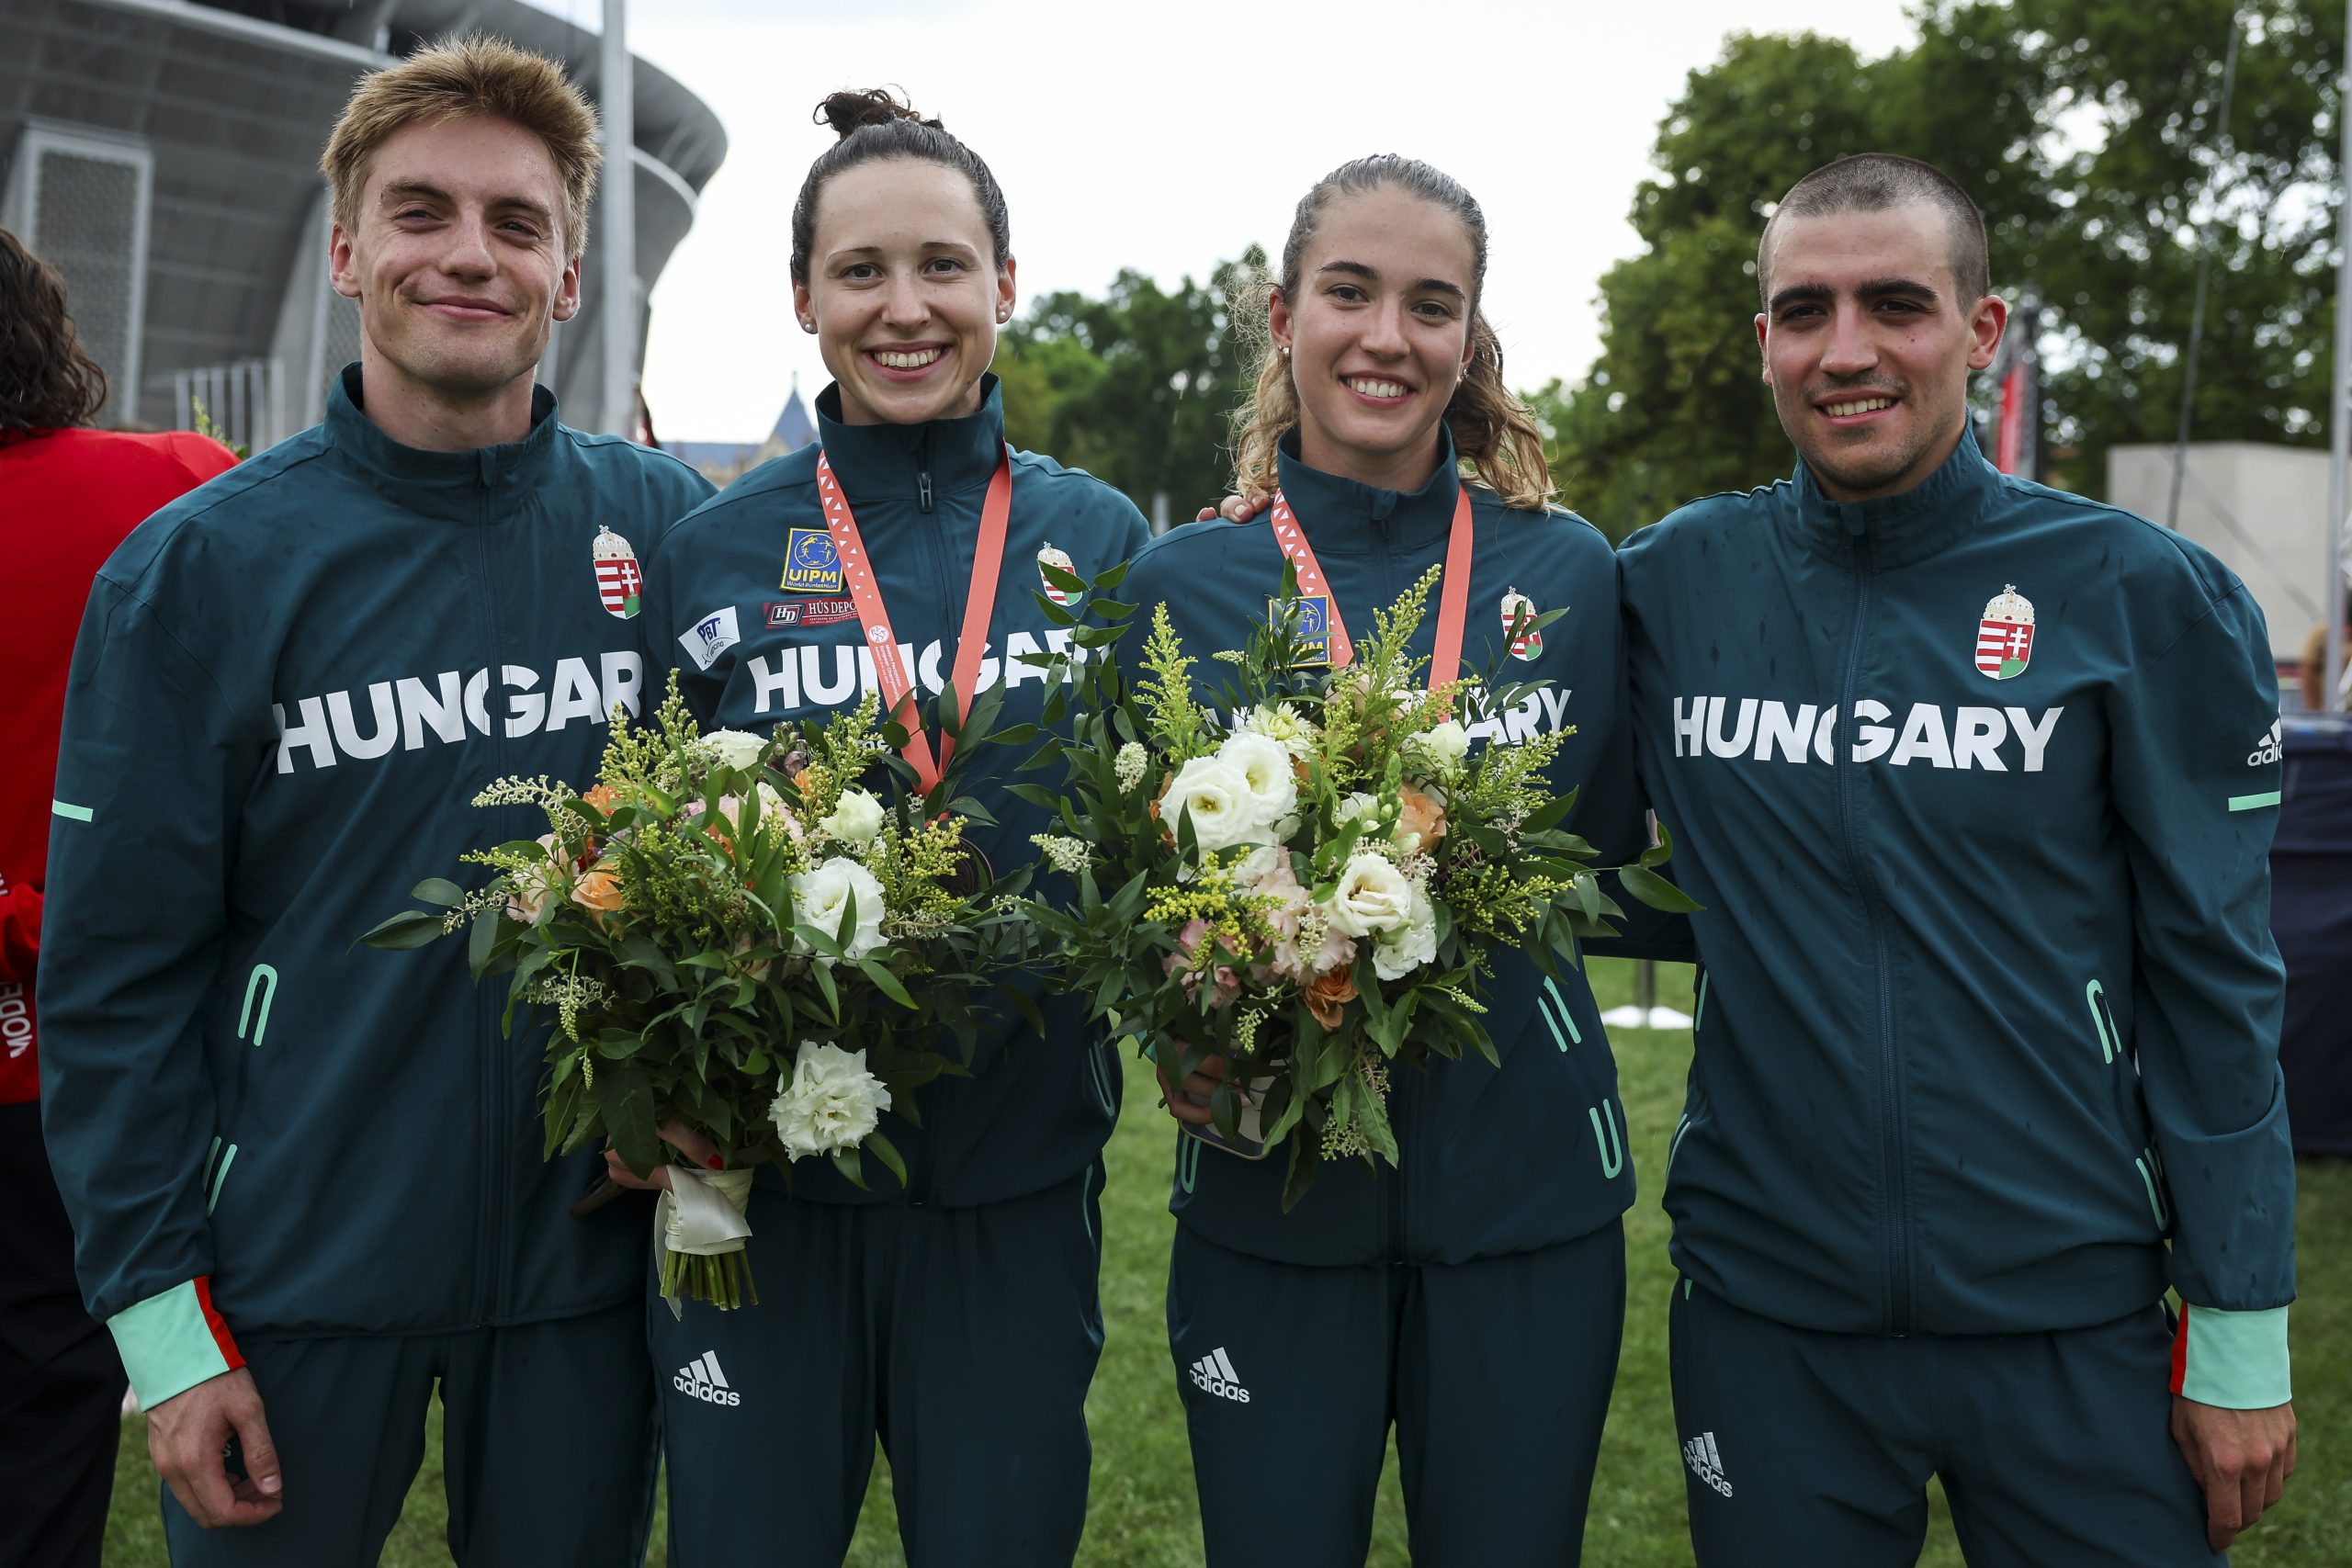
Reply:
x=1453 y=588
x=980 y=607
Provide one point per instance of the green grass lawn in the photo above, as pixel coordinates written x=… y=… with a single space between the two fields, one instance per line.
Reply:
x=1141 y=1512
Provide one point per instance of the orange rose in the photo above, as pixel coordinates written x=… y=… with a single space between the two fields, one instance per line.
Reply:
x=603 y=797
x=599 y=890
x=1327 y=993
x=1419 y=813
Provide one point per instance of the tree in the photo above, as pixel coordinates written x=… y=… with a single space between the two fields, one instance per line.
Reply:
x=2087 y=129
x=1137 y=388
x=2146 y=176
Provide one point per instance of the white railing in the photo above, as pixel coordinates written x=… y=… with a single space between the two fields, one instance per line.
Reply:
x=246 y=401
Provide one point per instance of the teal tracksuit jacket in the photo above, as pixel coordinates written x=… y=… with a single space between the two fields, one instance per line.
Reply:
x=287 y=688
x=1495 y=1160
x=1976 y=784
x=749 y=606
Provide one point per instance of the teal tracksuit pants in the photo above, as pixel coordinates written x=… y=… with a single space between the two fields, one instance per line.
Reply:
x=963 y=1337
x=548 y=1445
x=1802 y=1448
x=1494 y=1372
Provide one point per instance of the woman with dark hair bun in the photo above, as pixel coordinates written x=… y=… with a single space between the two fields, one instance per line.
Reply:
x=1472 y=1295
x=956 y=1316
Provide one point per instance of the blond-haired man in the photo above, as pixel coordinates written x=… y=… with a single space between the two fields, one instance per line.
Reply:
x=304 y=1179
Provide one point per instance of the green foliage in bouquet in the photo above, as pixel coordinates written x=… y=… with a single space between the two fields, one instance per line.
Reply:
x=721 y=904
x=1313 y=886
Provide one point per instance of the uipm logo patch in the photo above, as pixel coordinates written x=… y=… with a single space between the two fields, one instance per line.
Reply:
x=811 y=565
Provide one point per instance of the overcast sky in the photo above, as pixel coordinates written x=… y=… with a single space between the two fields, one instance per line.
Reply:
x=1166 y=137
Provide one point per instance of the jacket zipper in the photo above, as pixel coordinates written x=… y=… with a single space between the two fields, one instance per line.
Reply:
x=927 y=1190
x=1894 y=1150
x=1404 y=1094
x=486 y=1034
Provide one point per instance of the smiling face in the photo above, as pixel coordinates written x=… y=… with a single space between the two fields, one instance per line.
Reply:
x=1378 y=334
x=904 y=291
x=1868 y=347
x=456 y=257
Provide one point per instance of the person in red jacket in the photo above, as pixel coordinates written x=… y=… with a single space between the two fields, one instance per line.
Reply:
x=69 y=494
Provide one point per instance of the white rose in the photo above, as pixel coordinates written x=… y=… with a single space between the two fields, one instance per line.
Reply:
x=832 y=1102
x=736 y=748
x=1216 y=794
x=1265 y=765
x=857 y=817
x=1279 y=722
x=1447 y=743
x=820 y=898
x=1411 y=944
x=1373 y=896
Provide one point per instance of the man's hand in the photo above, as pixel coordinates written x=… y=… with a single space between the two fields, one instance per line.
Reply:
x=1192 y=1103
x=2242 y=1459
x=186 y=1434
x=679 y=1137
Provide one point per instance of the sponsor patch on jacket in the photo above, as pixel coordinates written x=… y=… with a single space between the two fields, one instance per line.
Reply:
x=1314 y=625
x=711 y=637
x=810 y=613
x=810 y=563
x=620 y=582
x=2005 y=637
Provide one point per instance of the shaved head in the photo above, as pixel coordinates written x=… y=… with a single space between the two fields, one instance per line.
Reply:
x=1876 y=182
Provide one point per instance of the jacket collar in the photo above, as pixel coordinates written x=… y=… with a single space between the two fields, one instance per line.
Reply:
x=1931 y=515
x=439 y=484
x=887 y=462
x=1341 y=516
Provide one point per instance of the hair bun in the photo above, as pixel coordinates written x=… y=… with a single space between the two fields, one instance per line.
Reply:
x=847 y=111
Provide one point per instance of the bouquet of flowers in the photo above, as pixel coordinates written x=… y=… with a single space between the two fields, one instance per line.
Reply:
x=1312 y=888
x=735 y=933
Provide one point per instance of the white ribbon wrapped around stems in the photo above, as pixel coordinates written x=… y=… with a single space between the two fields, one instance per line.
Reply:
x=701 y=1215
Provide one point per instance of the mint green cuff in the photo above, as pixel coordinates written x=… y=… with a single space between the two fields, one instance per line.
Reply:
x=2236 y=1360
x=172 y=1342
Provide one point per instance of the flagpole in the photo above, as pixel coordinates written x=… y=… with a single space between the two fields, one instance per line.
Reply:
x=2339 y=467
x=617 y=89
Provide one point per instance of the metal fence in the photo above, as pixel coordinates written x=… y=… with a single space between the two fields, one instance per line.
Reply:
x=245 y=401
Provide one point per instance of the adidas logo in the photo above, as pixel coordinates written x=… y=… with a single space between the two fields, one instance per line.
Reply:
x=701 y=1378
x=1705 y=1463
x=1214 y=1375
x=2267 y=750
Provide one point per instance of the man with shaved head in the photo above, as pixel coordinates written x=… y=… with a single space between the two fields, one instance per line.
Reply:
x=1976 y=781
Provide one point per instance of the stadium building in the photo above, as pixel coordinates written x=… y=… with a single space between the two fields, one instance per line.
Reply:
x=164 y=155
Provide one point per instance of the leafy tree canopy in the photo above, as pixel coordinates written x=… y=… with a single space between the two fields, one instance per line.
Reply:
x=2089 y=130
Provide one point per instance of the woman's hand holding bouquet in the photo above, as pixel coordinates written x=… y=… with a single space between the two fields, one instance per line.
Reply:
x=1312 y=890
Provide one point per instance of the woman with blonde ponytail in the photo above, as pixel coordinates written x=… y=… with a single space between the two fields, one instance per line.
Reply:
x=1474 y=1294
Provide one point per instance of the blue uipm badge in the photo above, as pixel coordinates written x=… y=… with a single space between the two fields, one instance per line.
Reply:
x=1314 y=625
x=810 y=565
